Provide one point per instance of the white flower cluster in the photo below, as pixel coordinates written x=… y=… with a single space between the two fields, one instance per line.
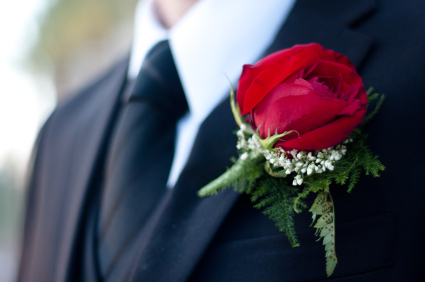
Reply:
x=303 y=163
x=300 y=162
x=252 y=144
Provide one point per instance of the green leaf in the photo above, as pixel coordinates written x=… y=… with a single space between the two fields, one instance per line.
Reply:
x=354 y=178
x=368 y=91
x=324 y=220
x=238 y=172
x=328 y=238
x=276 y=196
x=320 y=199
x=374 y=112
x=331 y=262
x=326 y=230
x=372 y=97
x=329 y=245
x=299 y=205
x=269 y=142
x=274 y=173
x=323 y=208
x=314 y=218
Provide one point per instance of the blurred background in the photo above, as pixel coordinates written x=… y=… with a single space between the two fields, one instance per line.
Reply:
x=48 y=50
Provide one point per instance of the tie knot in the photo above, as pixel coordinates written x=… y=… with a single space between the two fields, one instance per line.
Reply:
x=158 y=81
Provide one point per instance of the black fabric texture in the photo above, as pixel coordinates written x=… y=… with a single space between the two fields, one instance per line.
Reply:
x=140 y=156
x=85 y=262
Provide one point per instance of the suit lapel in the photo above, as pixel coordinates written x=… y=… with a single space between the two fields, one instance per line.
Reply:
x=346 y=13
x=183 y=225
x=305 y=25
x=97 y=113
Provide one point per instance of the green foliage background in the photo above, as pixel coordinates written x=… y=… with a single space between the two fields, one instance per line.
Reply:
x=68 y=24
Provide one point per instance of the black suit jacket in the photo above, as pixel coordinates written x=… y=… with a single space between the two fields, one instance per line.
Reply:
x=379 y=229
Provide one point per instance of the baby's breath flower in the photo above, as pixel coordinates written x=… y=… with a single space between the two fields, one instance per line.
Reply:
x=244 y=156
x=299 y=180
x=301 y=162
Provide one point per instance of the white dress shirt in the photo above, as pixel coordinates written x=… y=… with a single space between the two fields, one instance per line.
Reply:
x=212 y=41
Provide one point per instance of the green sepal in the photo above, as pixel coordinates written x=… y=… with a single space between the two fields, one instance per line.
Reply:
x=235 y=107
x=237 y=112
x=269 y=142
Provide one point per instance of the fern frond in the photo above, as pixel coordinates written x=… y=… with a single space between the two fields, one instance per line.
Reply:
x=248 y=169
x=277 y=196
x=374 y=112
x=326 y=228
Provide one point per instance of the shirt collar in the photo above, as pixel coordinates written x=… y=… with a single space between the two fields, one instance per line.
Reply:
x=213 y=40
x=147 y=32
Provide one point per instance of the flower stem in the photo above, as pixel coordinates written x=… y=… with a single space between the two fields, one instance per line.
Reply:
x=333 y=220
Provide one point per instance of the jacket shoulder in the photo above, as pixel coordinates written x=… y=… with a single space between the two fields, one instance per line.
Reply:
x=84 y=100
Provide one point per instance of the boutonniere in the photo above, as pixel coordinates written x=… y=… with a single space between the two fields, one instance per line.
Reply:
x=300 y=113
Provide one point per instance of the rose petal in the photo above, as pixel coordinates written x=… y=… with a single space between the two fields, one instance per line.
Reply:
x=350 y=109
x=328 y=135
x=322 y=53
x=330 y=69
x=285 y=90
x=322 y=87
x=274 y=75
x=341 y=59
x=362 y=96
x=295 y=107
x=249 y=72
x=345 y=88
x=300 y=81
x=354 y=93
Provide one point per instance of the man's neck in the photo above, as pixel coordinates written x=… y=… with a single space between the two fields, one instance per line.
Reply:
x=169 y=12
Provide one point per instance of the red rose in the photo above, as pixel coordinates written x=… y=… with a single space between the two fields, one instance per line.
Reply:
x=309 y=89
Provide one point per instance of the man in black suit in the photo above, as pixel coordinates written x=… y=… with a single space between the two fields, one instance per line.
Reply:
x=223 y=238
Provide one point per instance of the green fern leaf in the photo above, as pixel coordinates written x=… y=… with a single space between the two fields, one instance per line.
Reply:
x=240 y=171
x=323 y=208
x=331 y=262
x=324 y=220
x=320 y=199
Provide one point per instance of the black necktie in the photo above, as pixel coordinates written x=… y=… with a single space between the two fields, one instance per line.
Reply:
x=140 y=155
